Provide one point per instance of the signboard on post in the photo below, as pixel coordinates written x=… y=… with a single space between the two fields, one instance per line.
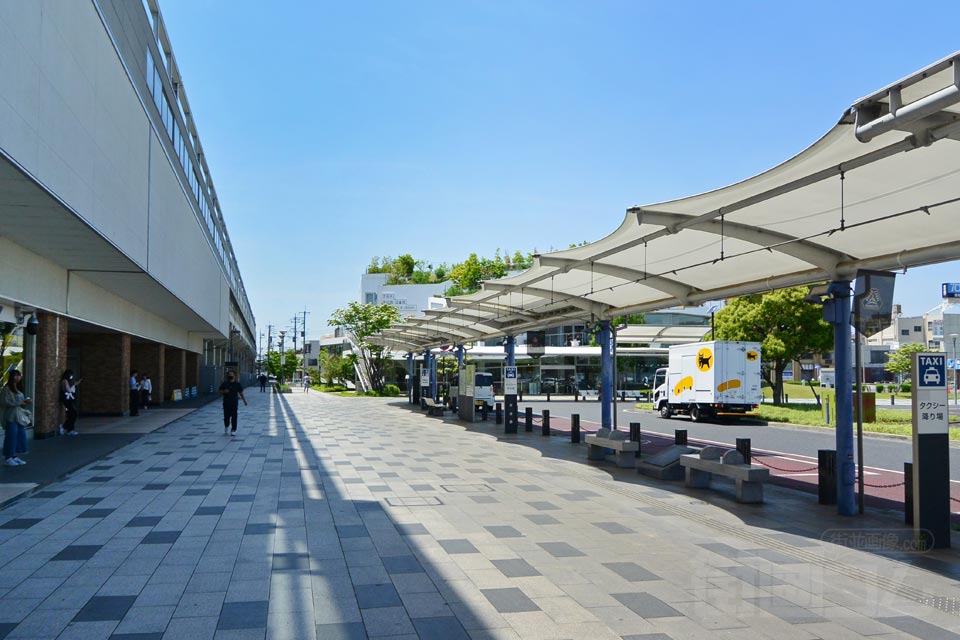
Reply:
x=931 y=446
x=536 y=343
x=509 y=381
x=424 y=377
x=873 y=297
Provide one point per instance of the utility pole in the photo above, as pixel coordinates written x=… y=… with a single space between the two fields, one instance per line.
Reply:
x=304 y=336
x=296 y=320
x=269 y=342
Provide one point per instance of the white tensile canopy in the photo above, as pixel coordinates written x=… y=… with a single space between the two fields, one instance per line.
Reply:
x=879 y=191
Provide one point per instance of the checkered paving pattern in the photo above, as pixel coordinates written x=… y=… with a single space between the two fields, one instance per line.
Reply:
x=343 y=518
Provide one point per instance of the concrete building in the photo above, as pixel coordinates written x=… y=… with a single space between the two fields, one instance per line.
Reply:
x=409 y=299
x=113 y=237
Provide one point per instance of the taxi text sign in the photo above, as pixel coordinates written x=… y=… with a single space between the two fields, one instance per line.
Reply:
x=424 y=377
x=510 y=381
x=930 y=412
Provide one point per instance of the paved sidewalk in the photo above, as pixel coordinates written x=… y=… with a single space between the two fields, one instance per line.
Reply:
x=330 y=518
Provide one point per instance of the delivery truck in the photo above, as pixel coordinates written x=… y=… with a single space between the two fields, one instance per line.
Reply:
x=705 y=379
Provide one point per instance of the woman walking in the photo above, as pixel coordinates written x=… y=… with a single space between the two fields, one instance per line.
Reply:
x=15 y=417
x=68 y=397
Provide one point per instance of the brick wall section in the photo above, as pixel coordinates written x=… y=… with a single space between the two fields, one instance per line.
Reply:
x=149 y=358
x=175 y=370
x=104 y=365
x=51 y=362
x=193 y=369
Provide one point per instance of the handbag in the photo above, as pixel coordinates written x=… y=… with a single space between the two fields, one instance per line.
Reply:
x=23 y=417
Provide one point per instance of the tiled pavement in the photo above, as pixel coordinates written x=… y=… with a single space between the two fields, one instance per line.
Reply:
x=337 y=518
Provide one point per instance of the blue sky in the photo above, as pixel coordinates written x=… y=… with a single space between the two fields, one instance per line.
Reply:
x=339 y=131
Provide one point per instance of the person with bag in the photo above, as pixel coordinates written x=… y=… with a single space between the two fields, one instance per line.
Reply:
x=68 y=398
x=15 y=416
x=146 y=386
x=232 y=392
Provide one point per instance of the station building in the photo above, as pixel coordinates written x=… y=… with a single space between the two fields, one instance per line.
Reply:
x=114 y=253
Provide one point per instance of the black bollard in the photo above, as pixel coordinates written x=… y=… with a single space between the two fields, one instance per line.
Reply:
x=575 y=428
x=528 y=423
x=545 y=426
x=499 y=413
x=548 y=396
x=623 y=396
x=635 y=435
x=520 y=397
x=680 y=437
x=908 y=493
x=743 y=447
x=576 y=396
x=483 y=411
x=827 y=476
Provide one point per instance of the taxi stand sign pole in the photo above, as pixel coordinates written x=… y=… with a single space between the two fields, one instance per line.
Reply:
x=931 y=451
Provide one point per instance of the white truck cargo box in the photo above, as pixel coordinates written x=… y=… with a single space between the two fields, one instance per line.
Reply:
x=720 y=373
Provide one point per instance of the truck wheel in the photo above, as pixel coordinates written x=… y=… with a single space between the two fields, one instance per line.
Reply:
x=665 y=411
x=696 y=414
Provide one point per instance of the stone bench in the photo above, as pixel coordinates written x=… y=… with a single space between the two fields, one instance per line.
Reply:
x=625 y=451
x=700 y=469
x=433 y=408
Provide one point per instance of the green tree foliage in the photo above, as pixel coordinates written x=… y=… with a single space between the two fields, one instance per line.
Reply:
x=273 y=363
x=290 y=364
x=634 y=318
x=900 y=361
x=785 y=325
x=404 y=265
x=334 y=368
x=362 y=322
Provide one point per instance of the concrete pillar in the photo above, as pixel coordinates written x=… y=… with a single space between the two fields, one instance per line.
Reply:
x=149 y=358
x=104 y=366
x=51 y=362
x=175 y=370
x=410 y=375
x=836 y=311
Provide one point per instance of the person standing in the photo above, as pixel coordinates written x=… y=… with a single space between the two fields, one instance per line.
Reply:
x=263 y=382
x=68 y=398
x=146 y=387
x=15 y=417
x=306 y=384
x=134 y=393
x=232 y=392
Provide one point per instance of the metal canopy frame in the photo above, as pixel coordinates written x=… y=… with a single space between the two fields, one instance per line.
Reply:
x=880 y=190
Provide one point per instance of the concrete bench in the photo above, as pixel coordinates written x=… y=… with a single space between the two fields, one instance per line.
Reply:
x=700 y=469
x=433 y=408
x=625 y=451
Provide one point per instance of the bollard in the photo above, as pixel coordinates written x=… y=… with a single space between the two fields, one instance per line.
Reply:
x=623 y=396
x=827 y=476
x=680 y=437
x=893 y=399
x=528 y=424
x=575 y=428
x=786 y=398
x=520 y=397
x=635 y=435
x=483 y=412
x=545 y=419
x=743 y=448
x=548 y=396
x=576 y=396
x=826 y=409
x=499 y=413
x=908 y=493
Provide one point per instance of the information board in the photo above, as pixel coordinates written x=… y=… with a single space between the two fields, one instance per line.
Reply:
x=930 y=394
x=424 y=377
x=510 y=381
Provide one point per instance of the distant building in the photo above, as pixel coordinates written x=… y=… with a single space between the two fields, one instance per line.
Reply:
x=409 y=299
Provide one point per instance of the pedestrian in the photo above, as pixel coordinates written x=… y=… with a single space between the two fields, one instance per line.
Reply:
x=146 y=387
x=68 y=398
x=15 y=416
x=306 y=384
x=232 y=393
x=134 y=393
x=263 y=382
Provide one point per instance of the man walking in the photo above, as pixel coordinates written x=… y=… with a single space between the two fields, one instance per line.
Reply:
x=232 y=393
x=263 y=382
x=134 y=393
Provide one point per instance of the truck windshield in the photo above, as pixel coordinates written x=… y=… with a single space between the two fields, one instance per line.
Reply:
x=484 y=380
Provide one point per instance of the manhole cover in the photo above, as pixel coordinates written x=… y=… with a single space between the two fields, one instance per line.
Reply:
x=466 y=488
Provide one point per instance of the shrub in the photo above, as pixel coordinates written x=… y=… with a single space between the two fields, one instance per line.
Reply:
x=879 y=388
x=905 y=387
x=391 y=390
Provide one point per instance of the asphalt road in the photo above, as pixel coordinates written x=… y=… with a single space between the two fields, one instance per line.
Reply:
x=881 y=453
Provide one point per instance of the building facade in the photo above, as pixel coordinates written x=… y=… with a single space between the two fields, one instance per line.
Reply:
x=114 y=240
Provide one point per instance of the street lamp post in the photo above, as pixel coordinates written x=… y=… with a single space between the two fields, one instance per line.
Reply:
x=282 y=334
x=953 y=337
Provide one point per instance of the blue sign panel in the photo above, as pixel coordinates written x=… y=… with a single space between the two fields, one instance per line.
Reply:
x=950 y=289
x=932 y=370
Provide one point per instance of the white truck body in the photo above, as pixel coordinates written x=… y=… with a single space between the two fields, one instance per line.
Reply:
x=706 y=378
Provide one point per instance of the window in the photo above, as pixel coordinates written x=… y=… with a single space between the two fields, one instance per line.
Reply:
x=917 y=328
x=146 y=8
x=905 y=332
x=371 y=298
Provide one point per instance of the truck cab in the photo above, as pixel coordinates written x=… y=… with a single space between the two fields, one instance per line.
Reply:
x=482 y=390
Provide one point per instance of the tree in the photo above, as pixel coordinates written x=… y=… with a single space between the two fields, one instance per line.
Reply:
x=900 y=361
x=273 y=363
x=403 y=266
x=290 y=364
x=783 y=322
x=362 y=322
x=334 y=368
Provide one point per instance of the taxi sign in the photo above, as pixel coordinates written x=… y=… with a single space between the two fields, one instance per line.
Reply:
x=510 y=381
